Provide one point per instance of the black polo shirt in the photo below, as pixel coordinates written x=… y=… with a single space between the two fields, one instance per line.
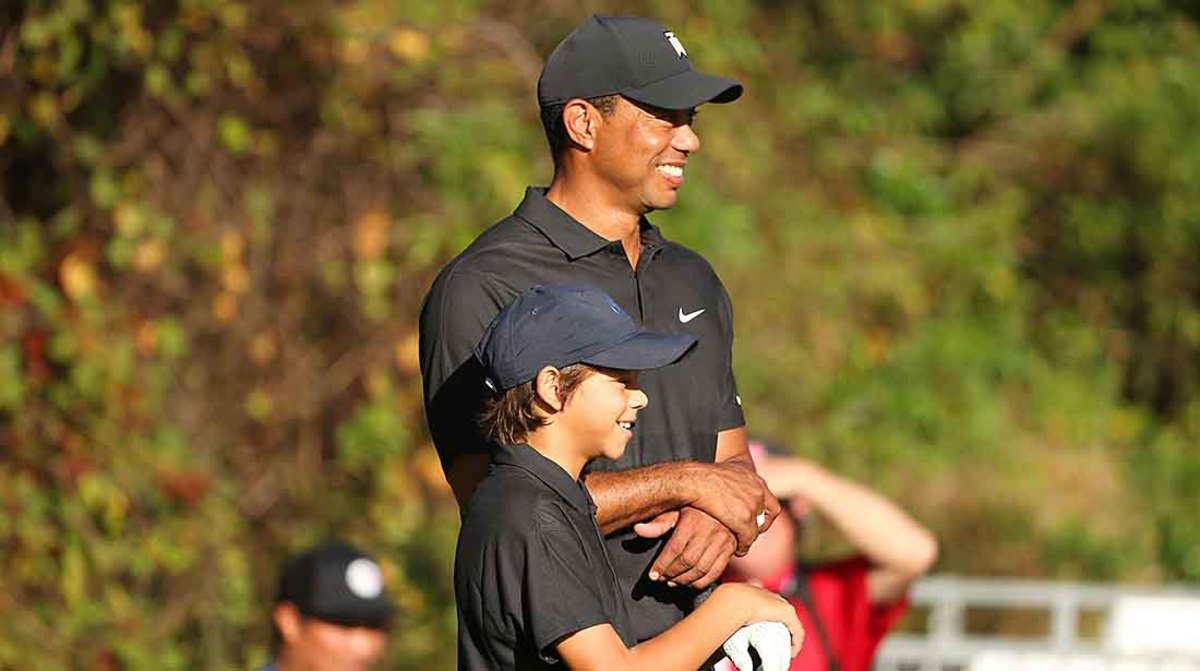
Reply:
x=673 y=290
x=531 y=568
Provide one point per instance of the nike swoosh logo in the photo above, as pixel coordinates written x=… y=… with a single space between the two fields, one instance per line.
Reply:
x=689 y=316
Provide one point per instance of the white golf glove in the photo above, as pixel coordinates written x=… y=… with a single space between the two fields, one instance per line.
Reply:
x=771 y=640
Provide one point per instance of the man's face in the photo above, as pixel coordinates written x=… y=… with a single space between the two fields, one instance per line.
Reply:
x=315 y=645
x=642 y=153
x=602 y=410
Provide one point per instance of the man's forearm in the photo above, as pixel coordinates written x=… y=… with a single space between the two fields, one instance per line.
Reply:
x=626 y=497
x=742 y=460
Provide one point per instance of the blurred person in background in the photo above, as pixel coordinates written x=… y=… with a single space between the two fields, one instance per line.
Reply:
x=847 y=605
x=332 y=612
x=617 y=96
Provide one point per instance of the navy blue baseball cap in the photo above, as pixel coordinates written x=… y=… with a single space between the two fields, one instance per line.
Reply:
x=563 y=324
x=635 y=57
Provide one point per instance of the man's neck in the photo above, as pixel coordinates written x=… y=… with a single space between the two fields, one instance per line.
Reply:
x=589 y=202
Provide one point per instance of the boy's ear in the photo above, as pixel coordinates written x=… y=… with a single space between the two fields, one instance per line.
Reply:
x=546 y=386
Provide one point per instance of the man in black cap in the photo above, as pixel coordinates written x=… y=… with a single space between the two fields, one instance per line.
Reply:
x=331 y=613
x=533 y=581
x=617 y=100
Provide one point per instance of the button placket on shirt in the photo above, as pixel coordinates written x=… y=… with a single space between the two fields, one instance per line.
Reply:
x=616 y=264
x=648 y=255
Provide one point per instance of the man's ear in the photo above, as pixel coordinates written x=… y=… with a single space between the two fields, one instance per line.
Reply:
x=546 y=386
x=581 y=121
x=287 y=621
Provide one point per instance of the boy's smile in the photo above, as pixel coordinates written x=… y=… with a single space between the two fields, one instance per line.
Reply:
x=601 y=414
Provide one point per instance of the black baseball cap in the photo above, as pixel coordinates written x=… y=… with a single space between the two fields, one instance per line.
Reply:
x=338 y=583
x=635 y=57
x=563 y=324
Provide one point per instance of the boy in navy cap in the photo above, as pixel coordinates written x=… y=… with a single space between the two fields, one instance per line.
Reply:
x=535 y=586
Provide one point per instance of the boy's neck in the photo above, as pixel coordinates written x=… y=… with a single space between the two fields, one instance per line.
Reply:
x=557 y=448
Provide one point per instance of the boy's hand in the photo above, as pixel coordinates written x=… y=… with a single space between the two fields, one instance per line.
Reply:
x=696 y=554
x=658 y=526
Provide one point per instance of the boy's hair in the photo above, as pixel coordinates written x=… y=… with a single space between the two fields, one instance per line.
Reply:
x=509 y=417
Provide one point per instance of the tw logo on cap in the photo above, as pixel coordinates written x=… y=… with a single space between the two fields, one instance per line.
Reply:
x=675 y=43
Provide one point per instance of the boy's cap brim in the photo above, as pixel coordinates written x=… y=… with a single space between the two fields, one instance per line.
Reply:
x=686 y=90
x=643 y=351
x=563 y=324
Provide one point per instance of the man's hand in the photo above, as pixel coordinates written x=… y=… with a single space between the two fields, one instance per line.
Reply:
x=737 y=497
x=696 y=554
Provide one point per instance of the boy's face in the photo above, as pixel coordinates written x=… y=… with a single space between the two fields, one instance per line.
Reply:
x=601 y=412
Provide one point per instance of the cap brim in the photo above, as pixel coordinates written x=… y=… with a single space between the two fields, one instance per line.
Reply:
x=643 y=351
x=376 y=616
x=686 y=90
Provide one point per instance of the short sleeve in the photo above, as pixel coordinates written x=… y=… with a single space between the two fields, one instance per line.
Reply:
x=729 y=409
x=456 y=312
x=562 y=587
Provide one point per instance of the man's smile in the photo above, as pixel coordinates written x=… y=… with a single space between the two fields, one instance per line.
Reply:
x=672 y=172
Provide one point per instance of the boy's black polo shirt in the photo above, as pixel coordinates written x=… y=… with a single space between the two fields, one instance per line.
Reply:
x=531 y=568
x=674 y=290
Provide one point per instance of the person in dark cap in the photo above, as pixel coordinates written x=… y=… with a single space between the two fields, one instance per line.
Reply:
x=617 y=97
x=534 y=584
x=332 y=611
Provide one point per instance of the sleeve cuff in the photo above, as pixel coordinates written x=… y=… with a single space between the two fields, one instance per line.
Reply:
x=547 y=652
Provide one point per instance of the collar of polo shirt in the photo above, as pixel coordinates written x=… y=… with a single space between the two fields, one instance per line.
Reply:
x=567 y=233
x=525 y=457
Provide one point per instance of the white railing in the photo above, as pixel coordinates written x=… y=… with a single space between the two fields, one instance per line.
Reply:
x=1127 y=628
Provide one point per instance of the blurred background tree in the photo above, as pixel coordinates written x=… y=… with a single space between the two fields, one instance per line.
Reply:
x=962 y=241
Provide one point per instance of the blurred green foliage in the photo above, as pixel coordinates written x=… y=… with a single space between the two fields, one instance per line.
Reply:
x=961 y=238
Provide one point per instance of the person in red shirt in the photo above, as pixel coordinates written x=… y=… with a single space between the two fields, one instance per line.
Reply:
x=848 y=605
